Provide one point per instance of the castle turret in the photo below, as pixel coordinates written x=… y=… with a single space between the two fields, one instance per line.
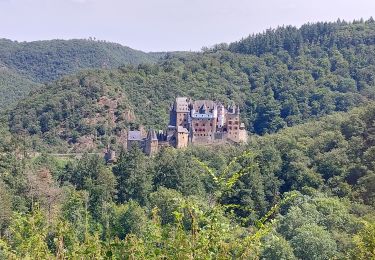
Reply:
x=203 y=109
x=180 y=112
x=237 y=110
x=109 y=155
x=231 y=109
x=151 y=145
x=242 y=133
x=220 y=116
x=182 y=137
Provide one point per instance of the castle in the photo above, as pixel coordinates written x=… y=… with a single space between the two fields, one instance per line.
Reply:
x=193 y=122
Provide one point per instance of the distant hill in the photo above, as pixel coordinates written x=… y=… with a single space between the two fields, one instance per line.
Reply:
x=322 y=35
x=48 y=60
x=26 y=64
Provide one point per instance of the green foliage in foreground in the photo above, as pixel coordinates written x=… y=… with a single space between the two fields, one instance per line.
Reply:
x=130 y=231
x=226 y=202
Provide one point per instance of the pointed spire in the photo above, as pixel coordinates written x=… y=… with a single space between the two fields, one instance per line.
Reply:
x=203 y=109
x=231 y=108
x=151 y=135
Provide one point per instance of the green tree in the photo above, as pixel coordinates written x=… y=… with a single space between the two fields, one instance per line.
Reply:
x=134 y=178
x=5 y=207
x=129 y=218
x=313 y=242
x=28 y=237
x=365 y=242
x=167 y=201
x=276 y=247
x=176 y=170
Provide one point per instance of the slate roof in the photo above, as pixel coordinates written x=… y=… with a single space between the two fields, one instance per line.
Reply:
x=209 y=104
x=135 y=135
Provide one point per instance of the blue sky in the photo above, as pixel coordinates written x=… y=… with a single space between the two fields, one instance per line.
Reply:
x=165 y=25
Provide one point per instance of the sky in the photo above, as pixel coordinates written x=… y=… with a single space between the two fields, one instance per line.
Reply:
x=166 y=25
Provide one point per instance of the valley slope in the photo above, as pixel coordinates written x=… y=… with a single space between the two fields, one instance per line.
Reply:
x=279 y=78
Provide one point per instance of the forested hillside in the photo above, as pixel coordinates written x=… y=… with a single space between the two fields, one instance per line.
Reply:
x=223 y=202
x=321 y=35
x=13 y=87
x=48 y=60
x=284 y=83
x=24 y=65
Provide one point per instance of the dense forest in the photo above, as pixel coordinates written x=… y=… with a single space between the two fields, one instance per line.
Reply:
x=275 y=87
x=306 y=192
x=303 y=187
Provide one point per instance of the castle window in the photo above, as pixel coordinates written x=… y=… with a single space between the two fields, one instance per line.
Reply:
x=196 y=124
x=230 y=122
x=236 y=123
x=235 y=128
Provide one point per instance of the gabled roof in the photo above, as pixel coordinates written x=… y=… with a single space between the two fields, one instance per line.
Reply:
x=208 y=103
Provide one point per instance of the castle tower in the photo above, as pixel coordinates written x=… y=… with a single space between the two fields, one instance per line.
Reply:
x=221 y=119
x=233 y=123
x=242 y=135
x=109 y=155
x=151 y=145
x=182 y=137
x=179 y=115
